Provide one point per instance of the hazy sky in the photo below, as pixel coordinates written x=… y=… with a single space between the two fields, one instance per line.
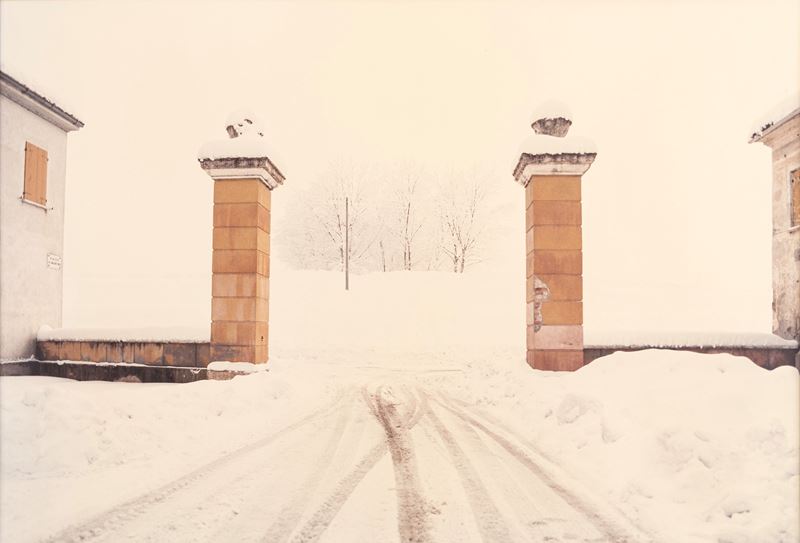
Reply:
x=676 y=200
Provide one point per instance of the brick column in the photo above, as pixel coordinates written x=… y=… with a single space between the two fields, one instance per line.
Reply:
x=241 y=248
x=554 y=270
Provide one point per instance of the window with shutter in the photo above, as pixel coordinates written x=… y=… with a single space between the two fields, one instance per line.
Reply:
x=794 y=197
x=35 y=189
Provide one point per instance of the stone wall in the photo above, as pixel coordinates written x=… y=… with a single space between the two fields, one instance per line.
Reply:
x=766 y=357
x=174 y=354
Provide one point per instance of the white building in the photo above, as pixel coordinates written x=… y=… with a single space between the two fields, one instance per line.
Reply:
x=33 y=153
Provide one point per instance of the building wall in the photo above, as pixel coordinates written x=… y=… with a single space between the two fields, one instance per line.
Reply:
x=30 y=291
x=785 y=144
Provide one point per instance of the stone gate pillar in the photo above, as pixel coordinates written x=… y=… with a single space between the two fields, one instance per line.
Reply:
x=550 y=168
x=244 y=178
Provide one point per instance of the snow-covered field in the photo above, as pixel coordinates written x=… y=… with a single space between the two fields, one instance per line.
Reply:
x=653 y=445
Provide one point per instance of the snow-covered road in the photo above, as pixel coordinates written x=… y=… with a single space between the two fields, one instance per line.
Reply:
x=383 y=461
x=436 y=446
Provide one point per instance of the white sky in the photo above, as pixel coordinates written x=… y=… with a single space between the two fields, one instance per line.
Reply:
x=677 y=201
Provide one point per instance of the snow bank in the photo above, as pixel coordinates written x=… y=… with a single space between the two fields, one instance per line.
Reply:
x=108 y=442
x=696 y=447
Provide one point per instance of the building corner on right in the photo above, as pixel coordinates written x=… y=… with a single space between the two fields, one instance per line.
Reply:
x=781 y=134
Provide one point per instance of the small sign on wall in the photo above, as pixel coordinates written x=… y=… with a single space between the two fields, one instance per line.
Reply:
x=53 y=261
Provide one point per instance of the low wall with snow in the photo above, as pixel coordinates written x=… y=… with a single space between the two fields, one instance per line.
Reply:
x=172 y=353
x=768 y=357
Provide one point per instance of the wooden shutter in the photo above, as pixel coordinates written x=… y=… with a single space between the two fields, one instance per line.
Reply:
x=794 y=188
x=35 y=189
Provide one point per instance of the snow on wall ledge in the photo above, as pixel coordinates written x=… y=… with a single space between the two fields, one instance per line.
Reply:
x=658 y=339
x=177 y=334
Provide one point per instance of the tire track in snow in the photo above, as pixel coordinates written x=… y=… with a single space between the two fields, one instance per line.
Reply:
x=491 y=524
x=520 y=497
x=412 y=513
x=319 y=521
x=112 y=518
x=609 y=528
x=290 y=515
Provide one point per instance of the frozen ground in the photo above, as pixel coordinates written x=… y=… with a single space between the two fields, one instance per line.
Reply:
x=408 y=413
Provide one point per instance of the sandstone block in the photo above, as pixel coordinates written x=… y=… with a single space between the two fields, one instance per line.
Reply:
x=549 y=262
x=234 y=191
x=555 y=187
x=562 y=313
x=555 y=337
x=553 y=212
x=557 y=238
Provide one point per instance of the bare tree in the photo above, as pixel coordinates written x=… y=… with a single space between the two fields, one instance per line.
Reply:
x=409 y=222
x=344 y=185
x=460 y=207
x=316 y=235
x=393 y=221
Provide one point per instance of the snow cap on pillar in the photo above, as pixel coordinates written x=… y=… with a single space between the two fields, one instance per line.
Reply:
x=244 y=155
x=551 y=150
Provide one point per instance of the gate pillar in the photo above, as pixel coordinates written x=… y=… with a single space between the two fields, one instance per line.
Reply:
x=550 y=169
x=244 y=178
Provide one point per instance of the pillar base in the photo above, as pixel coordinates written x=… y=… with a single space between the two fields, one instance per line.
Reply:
x=255 y=354
x=547 y=360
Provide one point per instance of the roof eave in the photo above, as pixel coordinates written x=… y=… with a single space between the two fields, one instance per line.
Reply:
x=38 y=104
x=758 y=136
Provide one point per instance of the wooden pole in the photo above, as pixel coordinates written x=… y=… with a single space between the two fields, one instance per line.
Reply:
x=347 y=244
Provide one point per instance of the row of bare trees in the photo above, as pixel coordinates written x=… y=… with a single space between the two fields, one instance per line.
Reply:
x=403 y=220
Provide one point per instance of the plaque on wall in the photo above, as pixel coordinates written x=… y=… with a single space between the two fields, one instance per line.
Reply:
x=53 y=261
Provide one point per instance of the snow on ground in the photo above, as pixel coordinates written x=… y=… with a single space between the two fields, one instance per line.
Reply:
x=697 y=447
x=71 y=449
x=688 y=447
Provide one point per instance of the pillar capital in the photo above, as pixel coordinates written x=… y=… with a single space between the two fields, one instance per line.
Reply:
x=550 y=150
x=551 y=164
x=244 y=155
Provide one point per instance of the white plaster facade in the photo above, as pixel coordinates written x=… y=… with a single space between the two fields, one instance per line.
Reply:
x=783 y=137
x=31 y=236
